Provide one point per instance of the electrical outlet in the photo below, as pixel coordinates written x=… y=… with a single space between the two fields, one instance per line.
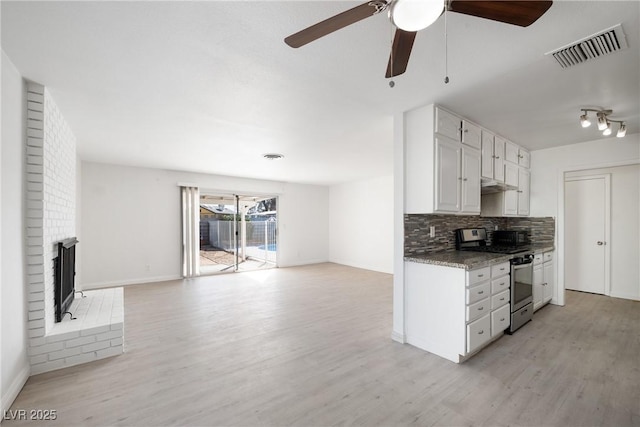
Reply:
x=432 y=231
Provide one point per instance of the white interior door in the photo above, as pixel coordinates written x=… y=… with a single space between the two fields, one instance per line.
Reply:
x=587 y=207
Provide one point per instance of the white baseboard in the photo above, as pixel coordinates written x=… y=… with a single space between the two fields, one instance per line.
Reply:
x=14 y=389
x=624 y=296
x=118 y=283
x=301 y=263
x=398 y=337
x=362 y=266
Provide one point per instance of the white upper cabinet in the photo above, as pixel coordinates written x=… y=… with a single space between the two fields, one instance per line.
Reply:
x=524 y=158
x=471 y=134
x=511 y=174
x=470 y=193
x=498 y=160
x=448 y=175
x=511 y=152
x=523 y=191
x=517 y=155
x=442 y=175
x=447 y=124
x=492 y=156
x=487 y=154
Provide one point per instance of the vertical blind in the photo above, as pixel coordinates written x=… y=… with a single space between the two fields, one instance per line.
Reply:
x=190 y=231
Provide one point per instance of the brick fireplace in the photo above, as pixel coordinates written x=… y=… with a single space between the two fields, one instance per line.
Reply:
x=98 y=330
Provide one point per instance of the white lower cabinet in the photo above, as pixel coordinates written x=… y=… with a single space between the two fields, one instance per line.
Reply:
x=543 y=279
x=500 y=320
x=454 y=313
x=478 y=333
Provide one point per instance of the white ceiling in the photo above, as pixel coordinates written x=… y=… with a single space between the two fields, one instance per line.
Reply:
x=211 y=86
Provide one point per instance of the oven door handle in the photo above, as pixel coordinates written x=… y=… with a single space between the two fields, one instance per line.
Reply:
x=521 y=266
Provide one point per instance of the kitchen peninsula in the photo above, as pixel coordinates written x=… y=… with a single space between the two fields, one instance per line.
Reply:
x=457 y=302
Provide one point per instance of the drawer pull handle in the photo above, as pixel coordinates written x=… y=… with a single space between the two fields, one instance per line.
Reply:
x=481 y=332
x=480 y=275
x=480 y=292
x=502 y=299
x=502 y=320
x=480 y=308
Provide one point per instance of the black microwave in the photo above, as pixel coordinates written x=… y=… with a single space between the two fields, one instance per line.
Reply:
x=511 y=238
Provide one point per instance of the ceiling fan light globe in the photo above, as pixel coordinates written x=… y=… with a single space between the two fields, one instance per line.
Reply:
x=415 y=15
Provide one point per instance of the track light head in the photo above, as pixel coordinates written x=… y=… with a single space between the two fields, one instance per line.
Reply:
x=584 y=120
x=607 y=130
x=602 y=121
x=622 y=131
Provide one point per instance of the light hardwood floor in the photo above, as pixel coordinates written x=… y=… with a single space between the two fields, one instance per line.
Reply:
x=311 y=346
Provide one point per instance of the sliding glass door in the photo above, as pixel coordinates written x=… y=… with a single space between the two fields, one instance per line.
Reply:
x=237 y=232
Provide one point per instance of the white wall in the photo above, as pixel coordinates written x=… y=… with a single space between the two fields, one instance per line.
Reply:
x=131 y=224
x=15 y=364
x=361 y=224
x=547 y=175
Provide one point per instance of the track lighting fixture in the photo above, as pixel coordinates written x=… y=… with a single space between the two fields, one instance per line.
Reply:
x=603 y=122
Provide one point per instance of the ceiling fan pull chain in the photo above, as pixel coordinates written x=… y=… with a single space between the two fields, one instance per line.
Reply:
x=391 y=82
x=446 y=50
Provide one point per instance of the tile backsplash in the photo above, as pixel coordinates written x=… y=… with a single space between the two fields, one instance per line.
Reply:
x=418 y=242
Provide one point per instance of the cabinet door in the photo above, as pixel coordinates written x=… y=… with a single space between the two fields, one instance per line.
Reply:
x=448 y=124
x=549 y=282
x=470 y=181
x=448 y=176
x=524 y=158
x=511 y=152
x=471 y=135
x=511 y=174
x=523 y=191
x=488 y=157
x=510 y=202
x=538 y=292
x=498 y=161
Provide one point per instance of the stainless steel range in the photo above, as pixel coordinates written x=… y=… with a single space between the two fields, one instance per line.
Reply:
x=507 y=242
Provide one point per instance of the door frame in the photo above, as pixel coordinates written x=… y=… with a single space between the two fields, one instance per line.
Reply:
x=607 y=223
x=559 y=291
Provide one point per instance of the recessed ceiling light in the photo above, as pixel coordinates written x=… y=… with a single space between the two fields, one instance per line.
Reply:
x=272 y=156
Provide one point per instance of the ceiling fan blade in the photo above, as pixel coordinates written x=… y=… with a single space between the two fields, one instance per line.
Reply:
x=400 y=52
x=335 y=23
x=519 y=12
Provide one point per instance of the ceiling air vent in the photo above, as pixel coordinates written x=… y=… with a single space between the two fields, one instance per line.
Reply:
x=595 y=46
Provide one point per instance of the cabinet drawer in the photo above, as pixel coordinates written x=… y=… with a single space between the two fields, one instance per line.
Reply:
x=547 y=256
x=500 y=320
x=500 y=284
x=479 y=275
x=478 y=309
x=500 y=269
x=500 y=299
x=537 y=259
x=478 y=333
x=476 y=293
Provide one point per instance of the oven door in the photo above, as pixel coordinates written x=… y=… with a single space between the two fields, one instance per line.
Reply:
x=521 y=285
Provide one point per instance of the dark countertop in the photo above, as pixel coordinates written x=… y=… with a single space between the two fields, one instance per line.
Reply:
x=470 y=260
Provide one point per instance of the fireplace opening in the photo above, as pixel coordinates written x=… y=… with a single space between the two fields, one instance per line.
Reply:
x=65 y=272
